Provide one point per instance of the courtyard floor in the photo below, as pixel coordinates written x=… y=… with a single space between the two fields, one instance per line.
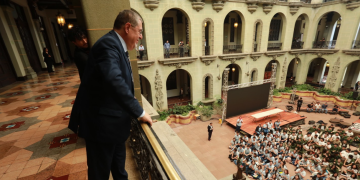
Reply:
x=214 y=154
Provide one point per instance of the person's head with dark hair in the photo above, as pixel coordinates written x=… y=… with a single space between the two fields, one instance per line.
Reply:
x=128 y=24
x=78 y=37
x=45 y=48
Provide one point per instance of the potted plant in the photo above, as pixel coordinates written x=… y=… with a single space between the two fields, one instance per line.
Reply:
x=205 y=112
x=217 y=105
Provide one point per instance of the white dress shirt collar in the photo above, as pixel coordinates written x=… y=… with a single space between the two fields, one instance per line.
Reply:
x=122 y=41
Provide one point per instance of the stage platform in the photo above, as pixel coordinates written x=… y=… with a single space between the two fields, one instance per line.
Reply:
x=249 y=125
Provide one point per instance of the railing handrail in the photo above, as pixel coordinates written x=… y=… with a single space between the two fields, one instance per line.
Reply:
x=161 y=155
x=324 y=44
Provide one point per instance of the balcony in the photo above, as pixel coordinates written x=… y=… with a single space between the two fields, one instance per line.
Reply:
x=274 y=46
x=306 y=1
x=177 y=52
x=324 y=44
x=142 y=55
x=297 y=45
x=230 y=49
x=356 y=44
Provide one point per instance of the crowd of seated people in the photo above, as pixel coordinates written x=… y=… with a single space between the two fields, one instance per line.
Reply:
x=324 y=152
x=320 y=108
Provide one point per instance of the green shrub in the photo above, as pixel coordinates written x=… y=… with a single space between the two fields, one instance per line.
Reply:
x=285 y=90
x=163 y=114
x=276 y=92
x=205 y=111
x=200 y=103
x=303 y=87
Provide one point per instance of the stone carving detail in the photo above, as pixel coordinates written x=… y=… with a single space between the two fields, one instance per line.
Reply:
x=177 y=62
x=284 y=72
x=267 y=8
x=352 y=6
x=198 y=5
x=210 y=88
x=144 y=64
x=218 y=5
x=252 y=7
x=151 y=4
x=273 y=80
x=334 y=74
x=293 y=9
x=207 y=59
x=158 y=93
x=255 y=75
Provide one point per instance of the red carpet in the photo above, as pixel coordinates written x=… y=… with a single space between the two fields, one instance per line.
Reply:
x=249 y=126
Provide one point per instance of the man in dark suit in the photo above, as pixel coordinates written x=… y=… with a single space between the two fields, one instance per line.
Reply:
x=78 y=37
x=210 y=130
x=105 y=102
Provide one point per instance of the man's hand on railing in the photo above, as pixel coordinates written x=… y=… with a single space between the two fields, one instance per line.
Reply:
x=146 y=119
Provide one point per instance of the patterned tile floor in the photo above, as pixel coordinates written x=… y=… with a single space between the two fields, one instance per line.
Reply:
x=35 y=143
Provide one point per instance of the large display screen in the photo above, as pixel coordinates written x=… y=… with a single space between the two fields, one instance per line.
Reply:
x=244 y=100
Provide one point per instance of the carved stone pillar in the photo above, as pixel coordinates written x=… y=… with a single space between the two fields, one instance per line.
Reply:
x=30 y=73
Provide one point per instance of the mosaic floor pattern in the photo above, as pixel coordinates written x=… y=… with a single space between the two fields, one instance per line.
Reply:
x=35 y=143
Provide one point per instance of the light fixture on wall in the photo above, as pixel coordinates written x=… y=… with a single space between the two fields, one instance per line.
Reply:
x=233 y=69
x=236 y=24
x=70 y=26
x=327 y=64
x=297 y=62
x=60 y=19
x=205 y=24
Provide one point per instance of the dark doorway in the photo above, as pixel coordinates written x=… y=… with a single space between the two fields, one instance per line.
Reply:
x=26 y=37
x=7 y=73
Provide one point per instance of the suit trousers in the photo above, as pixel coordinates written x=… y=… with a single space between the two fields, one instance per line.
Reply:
x=49 y=65
x=210 y=133
x=105 y=157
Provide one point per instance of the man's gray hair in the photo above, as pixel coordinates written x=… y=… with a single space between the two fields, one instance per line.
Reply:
x=126 y=16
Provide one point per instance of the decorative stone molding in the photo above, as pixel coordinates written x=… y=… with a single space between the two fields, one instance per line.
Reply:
x=255 y=56
x=255 y=75
x=218 y=5
x=177 y=62
x=321 y=52
x=267 y=8
x=198 y=5
x=144 y=64
x=275 y=54
x=210 y=88
x=334 y=74
x=207 y=59
x=151 y=4
x=352 y=52
x=352 y=6
x=284 y=72
x=252 y=7
x=294 y=9
x=158 y=89
x=232 y=57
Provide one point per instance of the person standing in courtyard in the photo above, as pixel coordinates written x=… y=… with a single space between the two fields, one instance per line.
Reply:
x=299 y=103
x=210 y=130
x=77 y=36
x=48 y=59
x=105 y=103
x=238 y=124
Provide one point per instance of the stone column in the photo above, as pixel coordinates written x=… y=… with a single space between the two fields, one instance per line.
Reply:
x=16 y=39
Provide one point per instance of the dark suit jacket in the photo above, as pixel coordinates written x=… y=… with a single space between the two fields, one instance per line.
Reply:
x=105 y=101
x=80 y=59
x=209 y=127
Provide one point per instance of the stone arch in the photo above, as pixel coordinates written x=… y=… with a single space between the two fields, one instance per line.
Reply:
x=211 y=36
x=305 y=17
x=188 y=28
x=274 y=43
x=328 y=34
x=145 y=88
x=253 y=75
x=210 y=86
x=256 y=45
x=242 y=31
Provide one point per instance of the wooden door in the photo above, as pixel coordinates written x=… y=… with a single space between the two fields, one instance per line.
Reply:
x=26 y=37
x=7 y=73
